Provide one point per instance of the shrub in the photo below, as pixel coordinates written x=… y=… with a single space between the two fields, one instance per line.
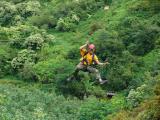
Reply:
x=69 y=13
x=157 y=43
x=156 y=68
x=8 y=12
x=108 y=2
x=37 y=104
x=24 y=36
x=23 y=57
x=42 y=20
x=34 y=42
x=27 y=73
x=107 y=46
x=6 y=54
x=93 y=109
x=100 y=110
x=53 y=70
x=141 y=40
x=135 y=97
x=94 y=27
x=29 y=8
x=145 y=6
x=13 y=14
x=73 y=54
x=65 y=24
x=119 y=77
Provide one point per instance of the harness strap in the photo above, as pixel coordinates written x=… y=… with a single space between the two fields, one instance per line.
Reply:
x=85 y=60
x=93 y=59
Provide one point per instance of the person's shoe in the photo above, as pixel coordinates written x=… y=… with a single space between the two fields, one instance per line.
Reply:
x=69 y=78
x=103 y=81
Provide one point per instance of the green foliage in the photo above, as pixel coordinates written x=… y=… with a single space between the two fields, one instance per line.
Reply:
x=16 y=36
x=127 y=33
x=146 y=110
x=36 y=103
x=53 y=70
x=65 y=15
x=135 y=97
x=157 y=43
x=13 y=14
x=29 y=8
x=156 y=68
x=82 y=86
x=143 y=41
x=97 y=110
x=34 y=42
x=6 y=55
x=43 y=21
x=26 y=72
x=3 y=61
x=23 y=57
x=8 y=13
x=93 y=110
x=65 y=24
x=144 y=6
x=108 y=2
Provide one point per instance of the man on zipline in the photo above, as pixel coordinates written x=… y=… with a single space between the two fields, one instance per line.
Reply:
x=87 y=61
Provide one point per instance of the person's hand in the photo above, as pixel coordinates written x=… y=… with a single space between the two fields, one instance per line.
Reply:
x=87 y=42
x=106 y=63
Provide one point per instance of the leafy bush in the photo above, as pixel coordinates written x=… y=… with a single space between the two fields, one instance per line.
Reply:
x=13 y=14
x=144 y=41
x=141 y=38
x=65 y=15
x=123 y=33
x=92 y=109
x=157 y=43
x=27 y=73
x=94 y=27
x=20 y=36
x=53 y=70
x=108 y=2
x=6 y=55
x=65 y=24
x=135 y=97
x=23 y=57
x=34 y=42
x=8 y=13
x=144 y=111
x=145 y=6
x=28 y=8
x=107 y=45
x=43 y=21
x=36 y=103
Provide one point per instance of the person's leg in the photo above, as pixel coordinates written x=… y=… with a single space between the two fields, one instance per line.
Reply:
x=79 y=67
x=97 y=74
x=94 y=71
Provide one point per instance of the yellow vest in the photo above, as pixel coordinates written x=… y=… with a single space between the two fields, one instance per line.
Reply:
x=87 y=58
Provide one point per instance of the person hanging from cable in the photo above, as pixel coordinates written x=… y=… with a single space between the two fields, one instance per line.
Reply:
x=87 y=62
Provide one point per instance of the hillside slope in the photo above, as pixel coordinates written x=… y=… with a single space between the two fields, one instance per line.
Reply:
x=39 y=50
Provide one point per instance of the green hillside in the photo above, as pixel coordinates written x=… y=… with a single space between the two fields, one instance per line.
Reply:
x=39 y=49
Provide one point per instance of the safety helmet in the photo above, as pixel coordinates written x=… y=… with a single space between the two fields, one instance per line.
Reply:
x=91 y=46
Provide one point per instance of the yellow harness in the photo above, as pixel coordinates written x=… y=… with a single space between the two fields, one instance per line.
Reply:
x=87 y=58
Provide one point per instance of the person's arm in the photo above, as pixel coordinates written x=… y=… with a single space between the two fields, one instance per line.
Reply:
x=98 y=62
x=84 y=46
x=102 y=64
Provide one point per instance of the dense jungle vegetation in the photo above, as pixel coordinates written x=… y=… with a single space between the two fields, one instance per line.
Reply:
x=39 y=49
